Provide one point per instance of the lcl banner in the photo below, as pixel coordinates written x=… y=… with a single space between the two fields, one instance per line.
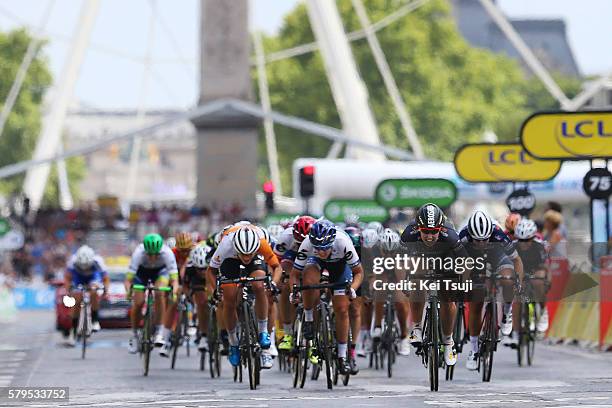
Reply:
x=492 y=163
x=568 y=135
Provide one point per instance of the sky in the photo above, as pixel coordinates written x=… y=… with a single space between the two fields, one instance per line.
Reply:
x=113 y=74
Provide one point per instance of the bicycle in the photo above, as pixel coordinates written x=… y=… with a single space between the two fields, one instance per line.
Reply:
x=430 y=349
x=214 y=339
x=250 y=351
x=181 y=331
x=146 y=341
x=83 y=329
x=325 y=340
x=489 y=336
x=528 y=314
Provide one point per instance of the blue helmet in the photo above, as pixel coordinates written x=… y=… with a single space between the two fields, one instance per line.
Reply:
x=322 y=234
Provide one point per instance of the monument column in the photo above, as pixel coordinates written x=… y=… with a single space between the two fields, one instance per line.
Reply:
x=227 y=140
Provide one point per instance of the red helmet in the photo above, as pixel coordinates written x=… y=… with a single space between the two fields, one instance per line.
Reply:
x=301 y=227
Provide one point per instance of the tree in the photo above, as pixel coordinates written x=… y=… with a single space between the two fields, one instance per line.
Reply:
x=23 y=125
x=454 y=92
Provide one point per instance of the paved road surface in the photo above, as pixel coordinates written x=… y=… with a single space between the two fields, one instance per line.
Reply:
x=31 y=354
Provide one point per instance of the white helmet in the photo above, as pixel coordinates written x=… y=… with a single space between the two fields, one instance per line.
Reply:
x=389 y=240
x=246 y=241
x=375 y=225
x=265 y=233
x=84 y=257
x=351 y=219
x=275 y=230
x=525 y=229
x=242 y=223
x=480 y=226
x=369 y=238
x=197 y=256
x=171 y=242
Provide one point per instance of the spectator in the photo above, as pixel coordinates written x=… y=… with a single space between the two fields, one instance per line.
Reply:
x=552 y=234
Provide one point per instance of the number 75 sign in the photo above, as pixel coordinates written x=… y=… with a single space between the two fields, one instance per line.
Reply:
x=597 y=183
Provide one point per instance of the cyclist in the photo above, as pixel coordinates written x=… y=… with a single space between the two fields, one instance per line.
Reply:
x=534 y=256
x=389 y=245
x=286 y=250
x=330 y=250
x=434 y=236
x=193 y=274
x=483 y=238
x=275 y=230
x=510 y=223
x=244 y=252
x=376 y=226
x=183 y=244
x=151 y=261
x=86 y=268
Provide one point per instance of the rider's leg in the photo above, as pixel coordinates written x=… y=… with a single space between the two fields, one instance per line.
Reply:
x=341 y=308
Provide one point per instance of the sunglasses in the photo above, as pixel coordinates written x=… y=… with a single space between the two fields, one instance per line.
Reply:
x=430 y=231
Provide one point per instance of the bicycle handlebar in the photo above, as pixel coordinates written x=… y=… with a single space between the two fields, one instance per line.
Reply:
x=243 y=280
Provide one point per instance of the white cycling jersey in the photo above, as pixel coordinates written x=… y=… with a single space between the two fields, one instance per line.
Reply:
x=165 y=260
x=286 y=242
x=342 y=250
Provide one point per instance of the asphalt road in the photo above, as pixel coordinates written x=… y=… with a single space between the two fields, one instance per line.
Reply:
x=32 y=354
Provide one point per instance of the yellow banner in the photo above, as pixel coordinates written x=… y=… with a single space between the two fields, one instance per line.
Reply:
x=490 y=163
x=568 y=135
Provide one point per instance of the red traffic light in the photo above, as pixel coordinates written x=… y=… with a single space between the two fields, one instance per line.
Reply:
x=268 y=187
x=308 y=170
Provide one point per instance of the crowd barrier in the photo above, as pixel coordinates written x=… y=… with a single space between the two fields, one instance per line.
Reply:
x=34 y=298
x=583 y=317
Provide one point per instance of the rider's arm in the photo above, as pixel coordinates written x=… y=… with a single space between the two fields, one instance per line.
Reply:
x=211 y=280
x=271 y=259
x=357 y=276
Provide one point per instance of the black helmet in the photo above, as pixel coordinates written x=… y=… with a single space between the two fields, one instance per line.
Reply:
x=430 y=216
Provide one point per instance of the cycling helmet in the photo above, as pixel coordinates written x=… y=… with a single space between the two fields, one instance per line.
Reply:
x=275 y=230
x=183 y=240
x=355 y=235
x=377 y=226
x=430 y=216
x=525 y=229
x=84 y=257
x=322 y=234
x=246 y=241
x=389 y=240
x=351 y=219
x=242 y=223
x=153 y=244
x=265 y=233
x=171 y=242
x=302 y=226
x=198 y=255
x=369 y=238
x=480 y=226
x=512 y=221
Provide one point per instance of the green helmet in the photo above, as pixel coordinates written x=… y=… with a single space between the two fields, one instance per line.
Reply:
x=153 y=243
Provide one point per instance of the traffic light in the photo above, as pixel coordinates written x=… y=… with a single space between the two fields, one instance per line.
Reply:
x=268 y=189
x=307 y=181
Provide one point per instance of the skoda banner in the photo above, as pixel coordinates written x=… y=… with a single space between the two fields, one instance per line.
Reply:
x=568 y=135
x=367 y=210
x=492 y=163
x=413 y=193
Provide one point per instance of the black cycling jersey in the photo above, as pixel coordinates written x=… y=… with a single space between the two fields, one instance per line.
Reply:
x=447 y=245
x=534 y=257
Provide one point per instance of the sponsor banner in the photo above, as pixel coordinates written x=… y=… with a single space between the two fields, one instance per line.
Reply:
x=367 y=210
x=493 y=163
x=568 y=135
x=413 y=193
x=30 y=298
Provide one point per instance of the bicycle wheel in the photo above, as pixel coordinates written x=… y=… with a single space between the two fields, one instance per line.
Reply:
x=246 y=351
x=301 y=357
x=146 y=342
x=185 y=330
x=523 y=333
x=490 y=339
x=531 y=337
x=325 y=346
x=458 y=334
x=389 y=338
x=214 y=356
x=434 y=347
x=84 y=328
x=176 y=342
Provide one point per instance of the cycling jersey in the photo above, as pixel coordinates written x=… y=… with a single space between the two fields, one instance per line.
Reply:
x=180 y=256
x=226 y=250
x=534 y=256
x=287 y=247
x=95 y=274
x=498 y=238
x=143 y=269
x=343 y=250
